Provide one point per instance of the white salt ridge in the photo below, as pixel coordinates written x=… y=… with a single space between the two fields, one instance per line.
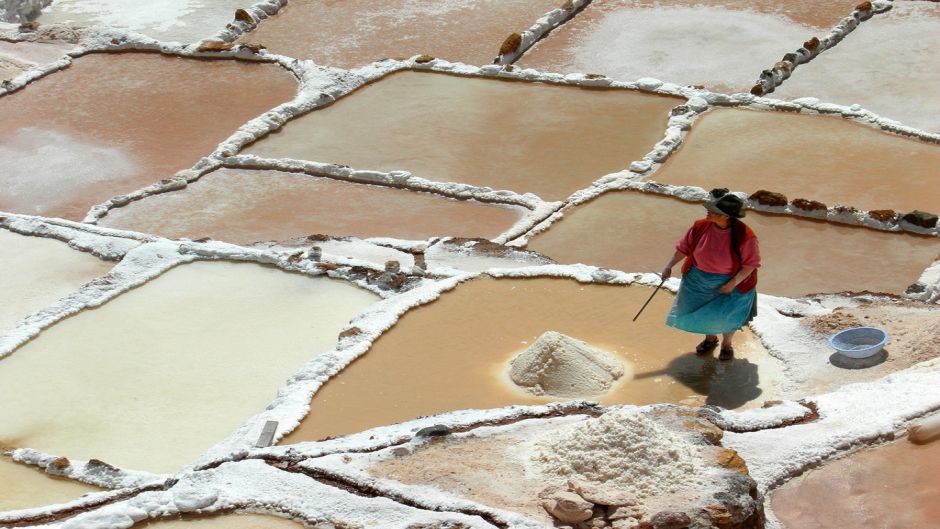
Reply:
x=79 y=471
x=623 y=448
x=561 y=366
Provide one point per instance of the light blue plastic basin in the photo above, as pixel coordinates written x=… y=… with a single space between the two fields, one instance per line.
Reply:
x=859 y=342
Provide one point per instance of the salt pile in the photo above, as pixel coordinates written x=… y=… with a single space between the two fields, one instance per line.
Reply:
x=561 y=366
x=622 y=448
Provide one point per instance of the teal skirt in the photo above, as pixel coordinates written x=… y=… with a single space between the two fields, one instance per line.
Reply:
x=699 y=308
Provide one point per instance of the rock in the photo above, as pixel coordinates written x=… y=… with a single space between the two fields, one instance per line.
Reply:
x=625 y=523
x=698 y=104
x=709 y=431
x=809 y=205
x=730 y=459
x=438 y=430
x=840 y=209
x=423 y=59
x=327 y=266
x=623 y=512
x=641 y=166
x=314 y=253
x=670 y=520
x=550 y=490
x=601 y=494
x=392 y=281
x=649 y=83
x=719 y=514
x=97 y=465
x=771 y=403
x=253 y=47
x=511 y=44
x=59 y=465
x=757 y=90
x=812 y=44
x=352 y=331
x=864 y=6
x=769 y=198
x=214 y=45
x=568 y=5
x=244 y=16
x=921 y=218
x=916 y=288
x=392 y=267
x=883 y=215
x=568 y=507
x=782 y=66
x=120 y=200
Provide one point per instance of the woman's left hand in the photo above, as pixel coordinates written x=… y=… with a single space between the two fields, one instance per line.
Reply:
x=726 y=288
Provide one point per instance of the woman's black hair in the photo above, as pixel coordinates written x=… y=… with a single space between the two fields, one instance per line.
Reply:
x=733 y=226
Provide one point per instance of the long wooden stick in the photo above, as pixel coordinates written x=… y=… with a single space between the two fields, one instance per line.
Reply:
x=650 y=299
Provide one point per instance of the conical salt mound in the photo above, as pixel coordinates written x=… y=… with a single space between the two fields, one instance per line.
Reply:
x=562 y=366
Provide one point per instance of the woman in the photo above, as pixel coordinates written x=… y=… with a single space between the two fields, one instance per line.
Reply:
x=717 y=294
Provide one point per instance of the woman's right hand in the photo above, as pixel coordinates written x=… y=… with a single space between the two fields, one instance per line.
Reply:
x=666 y=273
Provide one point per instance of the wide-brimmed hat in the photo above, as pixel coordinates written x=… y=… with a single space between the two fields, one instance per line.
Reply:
x=726 y=204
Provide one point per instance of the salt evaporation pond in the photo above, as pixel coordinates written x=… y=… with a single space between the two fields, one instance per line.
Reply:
x=888 y=66
x=797 y=253
x=35 y=272
x=525 y=137
x=827 y=159
x=166 y=20
x=26 y=487
x=894 y=486
x=222 y=521
x=16 y=58
x=357 y=32
x=454 y=353
x=723 y=45
x=156 y=376
x=243 y=206
x=113 y=123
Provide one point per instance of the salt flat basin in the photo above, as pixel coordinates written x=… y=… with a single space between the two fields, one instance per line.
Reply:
x=525 y=137
x=25 y=487
x=822 y=158
x=16 y=58
x=894 y=486
x=35 y=272
x=799 y=255
x=877 y=70
x=723 y=45
x=357 y=32
x=244 y=206
x=113 y=123
x=153 y=378
x=453 y=354
x=222 y=521
x=169 y=20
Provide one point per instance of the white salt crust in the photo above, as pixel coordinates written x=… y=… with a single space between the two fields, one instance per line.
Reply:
x=540 y=28
x=562 y=366
x=622 y=448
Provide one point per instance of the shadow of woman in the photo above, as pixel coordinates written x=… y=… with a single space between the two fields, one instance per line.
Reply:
x=729 y=384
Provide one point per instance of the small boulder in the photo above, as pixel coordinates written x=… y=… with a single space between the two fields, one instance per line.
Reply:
x=670 y=520
x=809 y=205
x=921 y=218
x=568 y=507
x=438 y=430
x=884 y=215
x=422 y=59
x=623 y=512
x=511 y=44
x=58 y=465
x=769 y=198
x=244 y=16
x=730 y=459
x=864 y=6
x=709 y=431
x=812 y=44
x=601 y=494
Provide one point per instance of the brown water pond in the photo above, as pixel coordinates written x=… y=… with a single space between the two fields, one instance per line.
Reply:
x=25 y=487
x=684 y=41
x=526 y=137
x=156 y=376
x=828 y=159
x=356 y=32
x=453 y=354
x=879 y=71
x=35 y=272
x=244 y=206
x=113 y=123
x=894 y=486
x=799 y=255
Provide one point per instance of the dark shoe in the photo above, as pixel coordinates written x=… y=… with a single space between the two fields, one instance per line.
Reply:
x=727 y=353
x=706 y=347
